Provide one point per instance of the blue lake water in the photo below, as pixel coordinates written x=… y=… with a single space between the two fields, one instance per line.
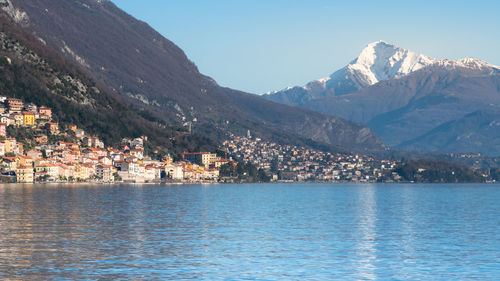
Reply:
x=250 y=232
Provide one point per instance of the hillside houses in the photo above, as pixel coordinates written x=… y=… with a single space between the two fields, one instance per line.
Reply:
x=85 y=159
x=82 y=157
x=13 y=112
x=293 y=163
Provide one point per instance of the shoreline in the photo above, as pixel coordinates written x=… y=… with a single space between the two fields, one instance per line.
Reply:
x=233 y=183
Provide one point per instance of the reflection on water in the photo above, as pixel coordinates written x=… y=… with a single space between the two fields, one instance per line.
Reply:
x=366 y=205
x=270 y=232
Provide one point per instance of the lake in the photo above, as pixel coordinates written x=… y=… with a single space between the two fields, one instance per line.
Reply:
x=250 y=232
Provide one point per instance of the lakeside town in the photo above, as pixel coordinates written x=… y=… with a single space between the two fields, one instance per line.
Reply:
x=289 y=163
x=34 y=148
x=48 y=159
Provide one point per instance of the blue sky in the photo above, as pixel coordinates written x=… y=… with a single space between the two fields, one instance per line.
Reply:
x=261 y=45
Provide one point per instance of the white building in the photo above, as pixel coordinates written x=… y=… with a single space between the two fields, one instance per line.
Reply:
x=174 y=171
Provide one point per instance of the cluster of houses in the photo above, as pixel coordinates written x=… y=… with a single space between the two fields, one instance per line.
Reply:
x=199 y=166
x=13 y=112
x=293 y=163
x=69 y=162
x=86 y=159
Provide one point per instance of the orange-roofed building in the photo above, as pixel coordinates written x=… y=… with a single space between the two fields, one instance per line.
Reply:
x=10 y=163
x=53 y=128
x=70 y=156
x=45 y=112
x=49 y=169
x=25 y=160
x=42 y=139
x=88 y=171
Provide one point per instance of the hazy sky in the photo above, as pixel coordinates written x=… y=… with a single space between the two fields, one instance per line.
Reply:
x=262 y=45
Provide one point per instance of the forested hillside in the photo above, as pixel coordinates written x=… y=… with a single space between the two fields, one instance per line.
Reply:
x=34 y=73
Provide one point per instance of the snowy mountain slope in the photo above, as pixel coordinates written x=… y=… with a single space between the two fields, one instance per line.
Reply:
x=381 y=61
x=412 y=101
x=403 y=109
x=377 y=62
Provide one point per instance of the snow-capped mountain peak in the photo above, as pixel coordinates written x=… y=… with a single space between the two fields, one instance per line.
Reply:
x=469 y=62
x=378 y=61
x=382 y=61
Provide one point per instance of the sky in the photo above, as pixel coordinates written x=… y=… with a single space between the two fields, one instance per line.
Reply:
x=264 y=45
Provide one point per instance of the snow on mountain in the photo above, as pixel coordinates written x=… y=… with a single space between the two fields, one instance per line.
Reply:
x=471 y=64
x=412 y=101
x=377 y=62
x=382 y=61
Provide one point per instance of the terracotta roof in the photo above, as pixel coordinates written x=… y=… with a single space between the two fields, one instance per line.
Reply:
x=47 y=165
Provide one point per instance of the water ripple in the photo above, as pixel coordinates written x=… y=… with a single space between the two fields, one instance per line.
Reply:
x=250 y=232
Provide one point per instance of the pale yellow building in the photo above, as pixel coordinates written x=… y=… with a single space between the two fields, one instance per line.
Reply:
x=24 y=174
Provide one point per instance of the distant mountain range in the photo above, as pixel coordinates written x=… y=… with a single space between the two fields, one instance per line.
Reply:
x=412 y=101
x=131 y=60
x=379 y=61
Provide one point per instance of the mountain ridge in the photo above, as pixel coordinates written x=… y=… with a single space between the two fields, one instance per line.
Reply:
x=405 y=110
x=34 y=73
x=378 y=61
x=454 y=136
x=150 y=72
